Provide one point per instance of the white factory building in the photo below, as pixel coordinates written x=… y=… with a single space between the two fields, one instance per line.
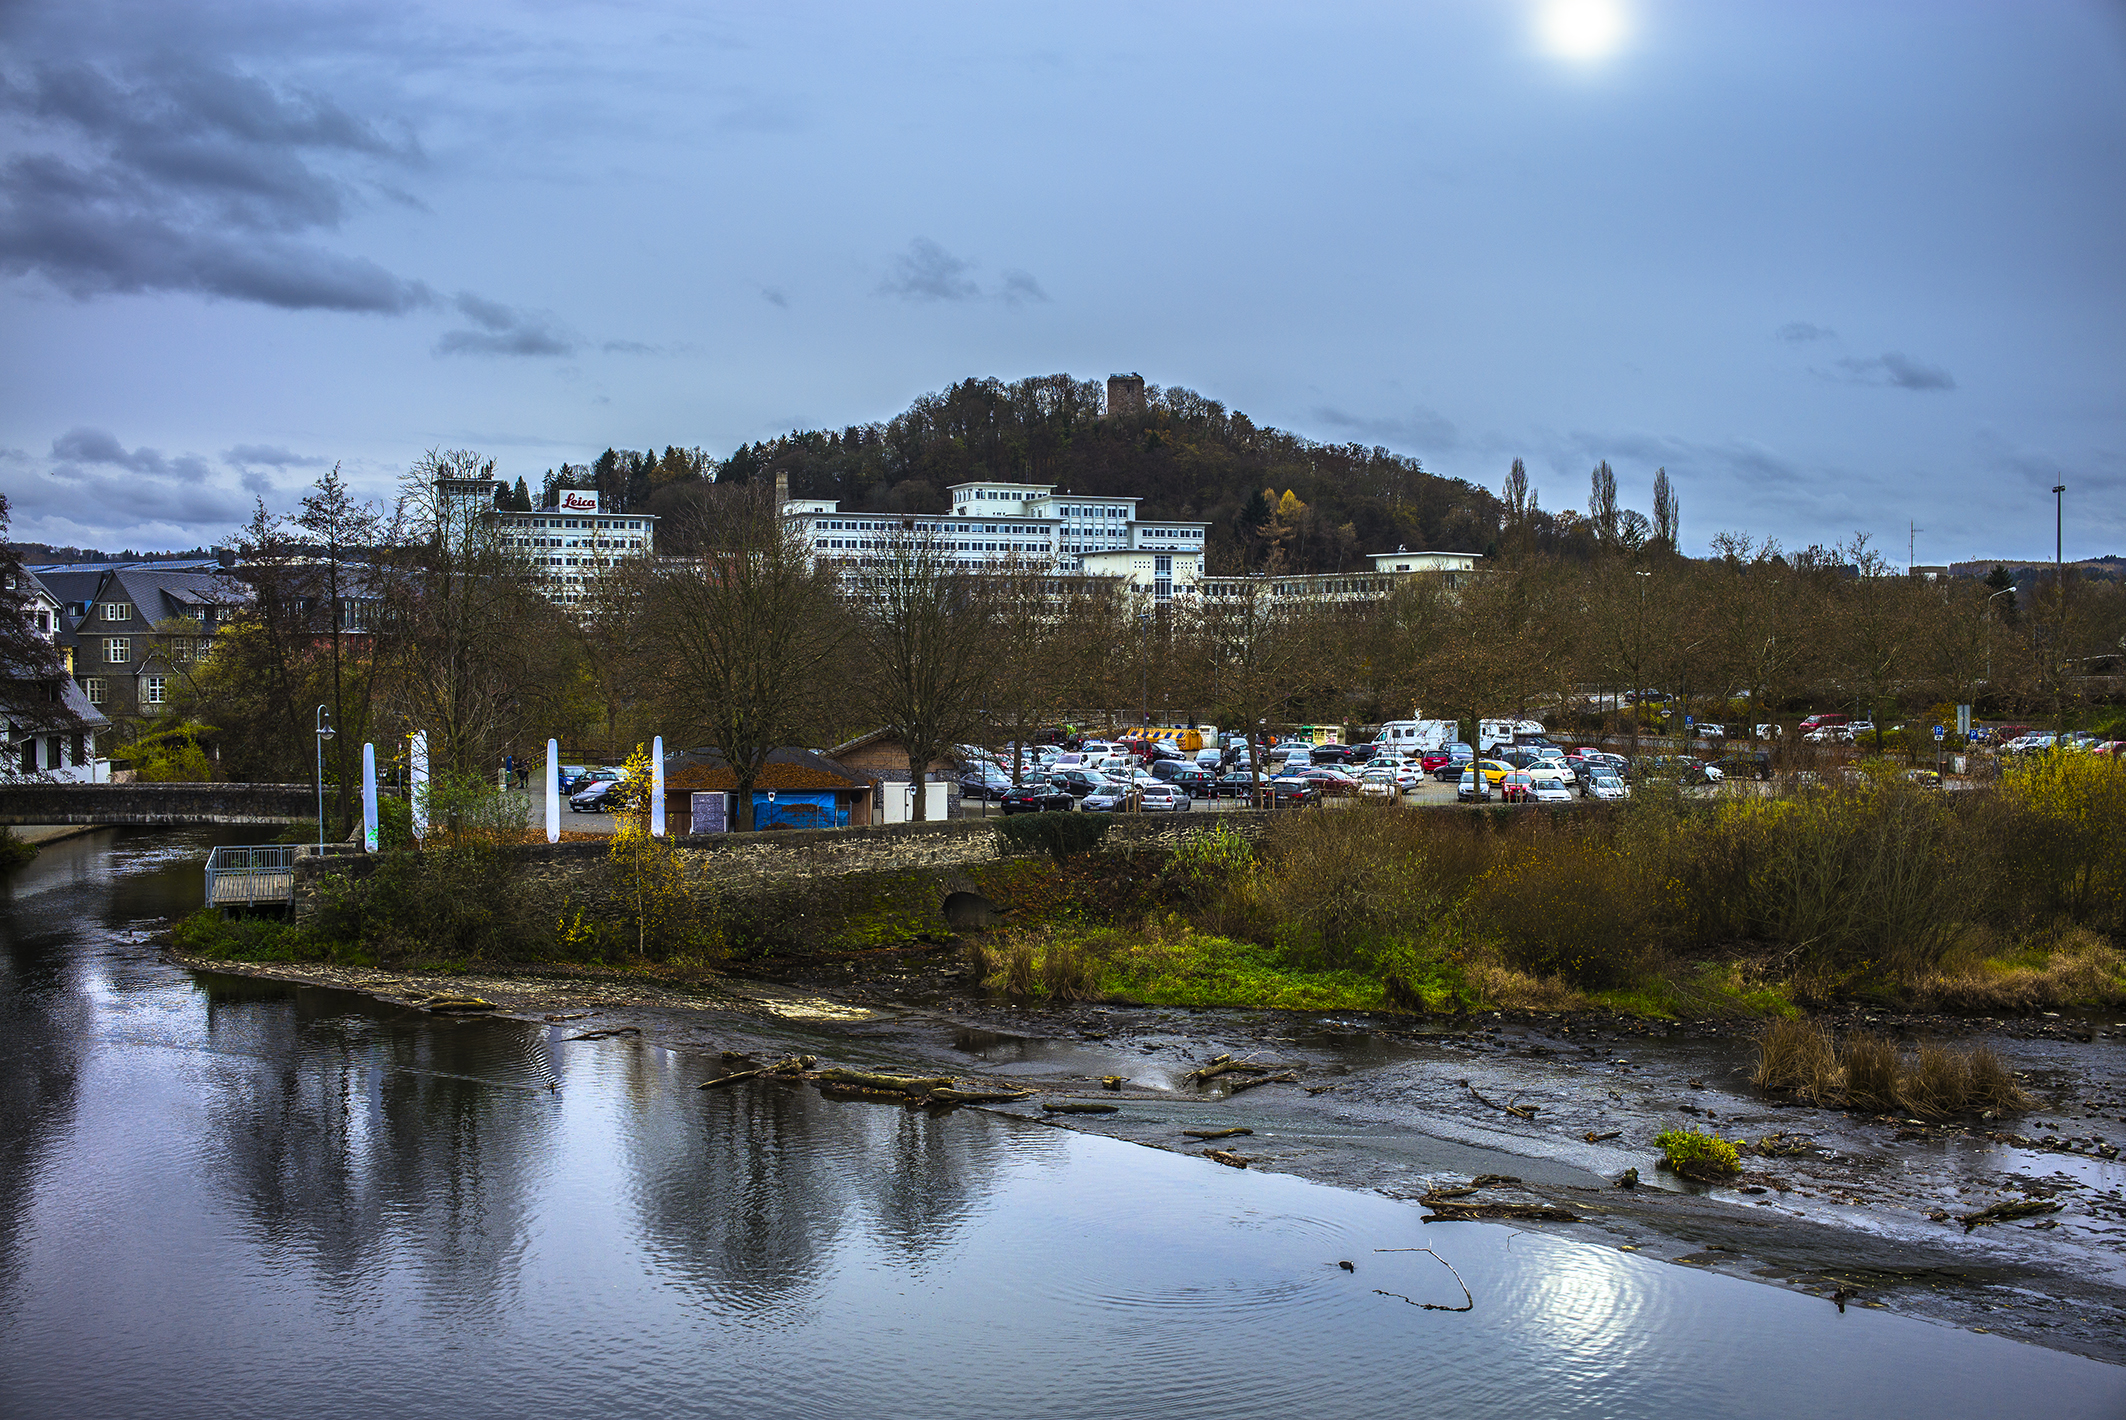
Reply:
x=993 y=523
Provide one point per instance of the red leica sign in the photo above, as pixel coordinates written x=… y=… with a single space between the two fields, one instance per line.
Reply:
x=576 y=501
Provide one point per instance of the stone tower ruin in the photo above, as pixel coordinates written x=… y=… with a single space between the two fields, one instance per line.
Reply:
x=1125 y=395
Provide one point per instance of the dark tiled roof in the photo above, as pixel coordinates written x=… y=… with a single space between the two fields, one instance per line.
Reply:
x=787 y=768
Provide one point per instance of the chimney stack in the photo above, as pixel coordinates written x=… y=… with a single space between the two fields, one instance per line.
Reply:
x=782 y=489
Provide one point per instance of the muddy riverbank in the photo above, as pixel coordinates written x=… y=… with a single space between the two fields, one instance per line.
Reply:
x=1861 y=1209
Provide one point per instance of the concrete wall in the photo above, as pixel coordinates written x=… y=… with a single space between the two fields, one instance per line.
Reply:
x=156 y=805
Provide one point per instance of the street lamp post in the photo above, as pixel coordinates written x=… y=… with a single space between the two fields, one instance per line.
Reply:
x=324 y=732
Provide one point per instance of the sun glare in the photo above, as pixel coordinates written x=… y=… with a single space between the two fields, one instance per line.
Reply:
x=1582 y=29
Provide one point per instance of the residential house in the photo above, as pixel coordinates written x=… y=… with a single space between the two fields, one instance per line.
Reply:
x=134 y=629
x=47 y=726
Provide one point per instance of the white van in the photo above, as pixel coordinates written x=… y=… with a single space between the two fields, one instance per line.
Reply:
x=1493 y=734
x=1414 y=738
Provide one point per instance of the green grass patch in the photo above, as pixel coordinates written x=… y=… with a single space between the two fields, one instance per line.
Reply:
x=1176 y=966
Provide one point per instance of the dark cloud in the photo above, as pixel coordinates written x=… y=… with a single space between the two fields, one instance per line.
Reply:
x=1420 y=429
x=504 y=330
x=188 y=176
x=928 y=272
x=269 y=456
x=1800 y=332
x=96 y=481
x=94 y=446
x=1019 y=288
x=1901 y=371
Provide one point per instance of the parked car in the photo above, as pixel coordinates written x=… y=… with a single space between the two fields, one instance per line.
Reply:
x=992 y=784
x=1604 y=784
x=602 y=796
x=1676 y=766
x=1239 y=784
x=1194 y=782
x=1745 y=766
x=1036 y=799
x=1079 y=783
x=1818 y=722
x=1162 y=798
x=1548 y=786
x=1339 y=783
x=1379 y=783
x=583 y=781
x=1712 y=732
x=1287 y=789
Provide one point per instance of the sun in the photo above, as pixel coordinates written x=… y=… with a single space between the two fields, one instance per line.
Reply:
x=1582 y=29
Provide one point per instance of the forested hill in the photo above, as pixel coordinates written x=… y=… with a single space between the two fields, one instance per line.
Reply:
x=1184 y=455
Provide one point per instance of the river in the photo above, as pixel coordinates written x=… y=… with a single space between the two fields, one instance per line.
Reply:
x=224 y=1197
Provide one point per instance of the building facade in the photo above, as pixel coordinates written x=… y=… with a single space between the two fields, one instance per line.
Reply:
x=132 y=631
x=570 y=544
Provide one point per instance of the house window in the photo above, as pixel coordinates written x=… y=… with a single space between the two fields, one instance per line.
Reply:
x=154 y=690
x=117 y=650
x=92 y=687
x=117 y=611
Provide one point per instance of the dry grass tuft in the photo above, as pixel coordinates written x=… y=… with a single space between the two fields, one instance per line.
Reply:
x=1066 y=972
x=1993 y=1085
x=1870 y=1072
x=1019 y=968
x=2074 y=966
x=1935 y=1082
x=1797 y=1055
x=1518 y=991
x=980 y=960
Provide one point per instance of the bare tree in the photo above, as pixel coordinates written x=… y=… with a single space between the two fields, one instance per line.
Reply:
x=1668 y=513
x=924 y=632
x=1602 y=504
x=740 y=641
x=1252 y=653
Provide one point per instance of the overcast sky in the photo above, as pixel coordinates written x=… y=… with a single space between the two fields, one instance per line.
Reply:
x=1837 y=266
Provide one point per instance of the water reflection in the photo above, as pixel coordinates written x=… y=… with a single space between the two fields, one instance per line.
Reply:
x=220 y=1197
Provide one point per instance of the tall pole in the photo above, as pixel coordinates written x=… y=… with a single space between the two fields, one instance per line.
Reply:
x=2059 y=616
x=324 y=732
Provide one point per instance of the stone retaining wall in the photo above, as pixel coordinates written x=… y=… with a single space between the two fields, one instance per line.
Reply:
x=810 y=889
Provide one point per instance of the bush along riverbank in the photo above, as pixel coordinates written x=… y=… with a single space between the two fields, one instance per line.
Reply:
x=1877 y=892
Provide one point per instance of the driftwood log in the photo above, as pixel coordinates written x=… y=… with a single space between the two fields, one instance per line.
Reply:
x=457 y=1005
x=1227 y=1157
x=1475 y=1212
x=2008 y=1212
x=788 y=1068
x=603 y=1034
x=1238 y=1085
x=977 y=1096
x=1208 y=1134
x=1521 y=1111
x=1079 y=1107
x=892 y=1084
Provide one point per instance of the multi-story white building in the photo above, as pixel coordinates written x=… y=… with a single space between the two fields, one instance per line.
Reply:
x=570 y=543
x=1030 y=523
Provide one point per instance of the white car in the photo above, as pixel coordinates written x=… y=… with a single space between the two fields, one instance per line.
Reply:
x=1379 y=784
x=1604 y=784
x=1547 y=786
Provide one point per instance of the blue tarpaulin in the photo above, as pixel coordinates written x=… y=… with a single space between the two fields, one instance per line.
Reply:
x=799 y=809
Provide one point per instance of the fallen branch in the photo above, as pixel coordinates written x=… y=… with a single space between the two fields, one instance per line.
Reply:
x=1594 y=1138
x=1221 y=1065
x=1079 y=1107
x=1321 y=1089
x=1215 y=1133
x=457 y=1005
x=1227 y=1157
x=892 y=1084
x=2008 y=1212
x=1476 y=1212
x=977 y=1096
x=1468 y=1301
x=571 y=1016
x=787 y=1068
x=602 y=1034
x=1239 y=1085
x=1526 y=1111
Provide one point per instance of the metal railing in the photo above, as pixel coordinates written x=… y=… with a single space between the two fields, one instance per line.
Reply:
x=260 y=875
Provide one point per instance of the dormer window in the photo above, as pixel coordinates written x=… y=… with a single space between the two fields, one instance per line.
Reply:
x=117 y=611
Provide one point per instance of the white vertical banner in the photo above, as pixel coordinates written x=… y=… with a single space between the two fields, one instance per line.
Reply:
x=657 y=786
x=417 y=783
x=553 y=791
x=369 y=798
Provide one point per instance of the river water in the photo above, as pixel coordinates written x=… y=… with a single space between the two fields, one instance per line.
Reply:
x=221 y=1197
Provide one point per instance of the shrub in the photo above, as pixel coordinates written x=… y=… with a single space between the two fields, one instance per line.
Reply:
x=1057 y=834
x=1066 y=974
x=13 y=851
x=1705 y=1158
x=1340 y=885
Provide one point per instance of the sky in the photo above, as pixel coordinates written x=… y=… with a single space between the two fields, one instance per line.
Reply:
x=1838 y=267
